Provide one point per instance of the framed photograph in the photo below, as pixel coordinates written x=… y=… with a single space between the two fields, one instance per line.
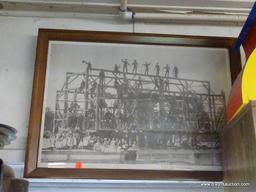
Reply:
x=110 y=105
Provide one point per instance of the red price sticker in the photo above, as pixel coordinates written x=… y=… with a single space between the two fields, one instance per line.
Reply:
x=79 y=165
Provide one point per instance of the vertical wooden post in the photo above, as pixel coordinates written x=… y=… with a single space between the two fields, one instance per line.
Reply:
x=66 y=101
x=98 y=119
x=86 y=96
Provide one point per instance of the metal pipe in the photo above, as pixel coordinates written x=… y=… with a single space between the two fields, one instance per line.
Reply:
x=128 y=15
x=192 y=8
x=189 y=17
x=123 y=5
x=124 y=13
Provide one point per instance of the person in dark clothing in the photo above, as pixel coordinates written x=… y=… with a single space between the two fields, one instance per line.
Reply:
x=49 y=118
x=157 y=69
x=116 y=69
x=125 y=65
x=135 y=66
x=89 y=65
x=82 y=86
x=102 y=77
x=140 y=84
x=93 y=88
x=146 y=68
x=167 y=70
x=175 y=71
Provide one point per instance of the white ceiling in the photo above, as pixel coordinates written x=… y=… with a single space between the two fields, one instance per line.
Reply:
x=204 y=8
x=203 y=3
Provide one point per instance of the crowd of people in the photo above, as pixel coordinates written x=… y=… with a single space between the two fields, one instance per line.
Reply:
x=68 y=139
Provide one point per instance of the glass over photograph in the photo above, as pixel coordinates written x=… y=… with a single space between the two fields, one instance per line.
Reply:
x=131 y=106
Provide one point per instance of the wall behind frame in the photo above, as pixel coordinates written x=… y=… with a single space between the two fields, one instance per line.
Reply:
x=17 y=57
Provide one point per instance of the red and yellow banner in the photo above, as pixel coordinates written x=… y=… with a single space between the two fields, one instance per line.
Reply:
x=244 y=88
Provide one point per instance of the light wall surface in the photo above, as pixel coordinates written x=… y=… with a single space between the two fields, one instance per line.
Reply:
x=17 y=57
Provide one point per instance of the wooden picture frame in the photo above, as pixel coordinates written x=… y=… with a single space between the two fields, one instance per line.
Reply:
x=78 y=168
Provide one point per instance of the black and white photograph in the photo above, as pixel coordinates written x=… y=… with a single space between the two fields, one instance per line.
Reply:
x=133 y=106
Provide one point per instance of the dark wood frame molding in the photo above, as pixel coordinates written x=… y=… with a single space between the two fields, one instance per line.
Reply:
x=46 y=35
